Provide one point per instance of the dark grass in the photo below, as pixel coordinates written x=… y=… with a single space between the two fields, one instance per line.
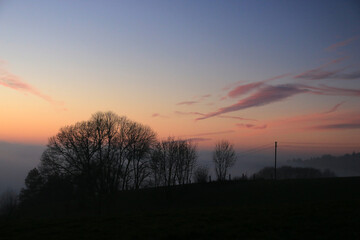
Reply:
x=286 y=209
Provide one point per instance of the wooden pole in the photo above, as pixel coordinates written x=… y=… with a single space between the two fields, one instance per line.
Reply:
x=275 y=160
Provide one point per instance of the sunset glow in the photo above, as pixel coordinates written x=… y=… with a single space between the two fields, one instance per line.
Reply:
x=246 y=71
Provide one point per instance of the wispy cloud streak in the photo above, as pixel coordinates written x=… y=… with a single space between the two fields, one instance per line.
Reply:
x=252 y=126
x=318 y=73
x=14 y=82
x=334 y=108
x=189 y=113
x=243 y=89
x=199 y=139
x=246 y=88
x=327 y=120
x=348 y=76
x=264 y=96
x=341 y=44
x=338 y=126
x=158 y=115
x=213 y=133
x=219 y=116
x=205 y=96
x=187 y=103
x=270 y=94
x=237 y=118
x=334 y=91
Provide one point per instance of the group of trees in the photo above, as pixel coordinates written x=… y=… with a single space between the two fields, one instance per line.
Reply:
x=102 y=155
x=172 y=162
x=224 y=157
x=109 y=153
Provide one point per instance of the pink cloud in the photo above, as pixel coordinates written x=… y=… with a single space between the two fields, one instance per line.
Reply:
x=198 y=139
x=318 y=73
x=189 y=113
x=252 y=126
x=300 y=119
x=329 y=120
x=237 y=118
x=206 y=96
x=187 y=103
x=202 y=137
x=14 y=82
x=334 y=108
x=335 y=91
x=229 y=86
x=223 y=98
x=270 y=94
x=159 y=115
x=341 y=44
x=196 y=100
x=220 y=116
x=243 y=89
x=337 y=126
x=348 y=76
x=213 y=133
x=264 y=96
x=246 y=88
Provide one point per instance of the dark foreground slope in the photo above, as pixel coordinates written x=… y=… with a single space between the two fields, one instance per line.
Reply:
x=286 y=209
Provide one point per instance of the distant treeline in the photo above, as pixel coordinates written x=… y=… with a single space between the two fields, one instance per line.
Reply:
x=343 y=166
x=287 y=172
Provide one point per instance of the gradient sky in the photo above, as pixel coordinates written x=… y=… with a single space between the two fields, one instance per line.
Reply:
x=252 y=72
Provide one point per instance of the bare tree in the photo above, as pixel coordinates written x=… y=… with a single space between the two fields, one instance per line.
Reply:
x=172 y=162
x=201 y=174
x=185 y=162
x=224 y=157
x=142 y=139
x=101 y=155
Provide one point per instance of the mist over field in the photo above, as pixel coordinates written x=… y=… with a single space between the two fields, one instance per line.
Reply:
x=17 y=160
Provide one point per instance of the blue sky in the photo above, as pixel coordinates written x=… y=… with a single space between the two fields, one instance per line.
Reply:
x=155 y=54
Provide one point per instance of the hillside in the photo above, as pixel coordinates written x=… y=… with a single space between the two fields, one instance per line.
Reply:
x=296 y=209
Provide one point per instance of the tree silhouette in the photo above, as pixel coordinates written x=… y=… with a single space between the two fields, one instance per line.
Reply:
x=33 y=185
x=140 y=142
x=224 y=157
x=172 y=162
x=101 y=155
x=201 y=174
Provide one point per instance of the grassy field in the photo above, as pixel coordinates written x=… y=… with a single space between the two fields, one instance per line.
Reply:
x=286 y=209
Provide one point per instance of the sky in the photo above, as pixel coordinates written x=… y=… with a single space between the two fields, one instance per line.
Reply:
x=251 y=72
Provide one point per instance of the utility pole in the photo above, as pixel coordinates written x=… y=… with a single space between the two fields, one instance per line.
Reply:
x=275 y=160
